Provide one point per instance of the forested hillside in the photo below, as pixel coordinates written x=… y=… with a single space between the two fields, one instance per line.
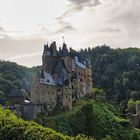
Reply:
x=116 y=71
x=13 y=76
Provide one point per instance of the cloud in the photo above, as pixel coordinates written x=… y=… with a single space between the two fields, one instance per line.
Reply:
x=104 y=22
x=74 y=6
x=94 y=22
x=64 y=26
x=23 y=56
x=125 y=15
x=22 y=50
x=109 y=30
x=2 y=31
x=80 y=4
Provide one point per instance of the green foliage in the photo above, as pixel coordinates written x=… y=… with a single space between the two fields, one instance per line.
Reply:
x=12 y=128
x=108 y=137
x=137 y=101
x=116 y=71
x=95 y=90
x=131 y=106
x=135 y=95
x=94 y=119
x=135 y=135
x=13 y=76
x=98 y=91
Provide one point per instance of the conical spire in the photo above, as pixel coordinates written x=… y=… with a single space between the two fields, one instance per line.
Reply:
x=64 y=51
x=53 y=49
x=46 y=48
x=64 y=46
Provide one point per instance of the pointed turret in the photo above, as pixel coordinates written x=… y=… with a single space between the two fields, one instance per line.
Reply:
x=64 y=51
x=46 y=50
x=53 y=49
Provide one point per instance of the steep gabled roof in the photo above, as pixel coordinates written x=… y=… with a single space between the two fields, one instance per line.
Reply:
x=48 y=79
x=61 y=70
x=19 y=93
x=59 y=65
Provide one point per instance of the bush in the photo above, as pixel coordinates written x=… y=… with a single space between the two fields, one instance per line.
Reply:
x=131 y=106
x=94 y=119
x=12 y=128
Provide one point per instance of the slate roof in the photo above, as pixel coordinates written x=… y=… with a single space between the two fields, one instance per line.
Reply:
x=60 y=69
x=59 y=65
x=18 y=93
x=48 y=80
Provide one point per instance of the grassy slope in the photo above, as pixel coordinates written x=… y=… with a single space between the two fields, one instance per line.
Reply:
x=12 y=128
x=92 y=118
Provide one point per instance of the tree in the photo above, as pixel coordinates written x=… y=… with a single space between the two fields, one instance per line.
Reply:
x=97 y=92
x=131 y=105
x=135 y=95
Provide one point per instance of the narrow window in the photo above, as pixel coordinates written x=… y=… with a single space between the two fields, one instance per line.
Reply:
x=59 y=89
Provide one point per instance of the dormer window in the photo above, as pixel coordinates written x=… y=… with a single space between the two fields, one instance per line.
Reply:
x=48 y=80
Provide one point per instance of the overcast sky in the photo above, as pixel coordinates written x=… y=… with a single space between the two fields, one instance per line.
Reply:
x=25 y=25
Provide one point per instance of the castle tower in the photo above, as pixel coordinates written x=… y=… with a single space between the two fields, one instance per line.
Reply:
x=49 y=57
x=64 y=51
x=46 y=50
x=35 y=96
x=53 y=49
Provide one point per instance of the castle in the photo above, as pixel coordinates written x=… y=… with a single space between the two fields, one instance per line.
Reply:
x=64 y=77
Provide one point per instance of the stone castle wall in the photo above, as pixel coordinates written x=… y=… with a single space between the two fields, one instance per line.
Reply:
x=30 y=111
x=138 y=109
x=134 y=119
x=50 y=95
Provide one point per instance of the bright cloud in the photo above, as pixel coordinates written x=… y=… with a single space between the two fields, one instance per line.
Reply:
x=25 y=25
